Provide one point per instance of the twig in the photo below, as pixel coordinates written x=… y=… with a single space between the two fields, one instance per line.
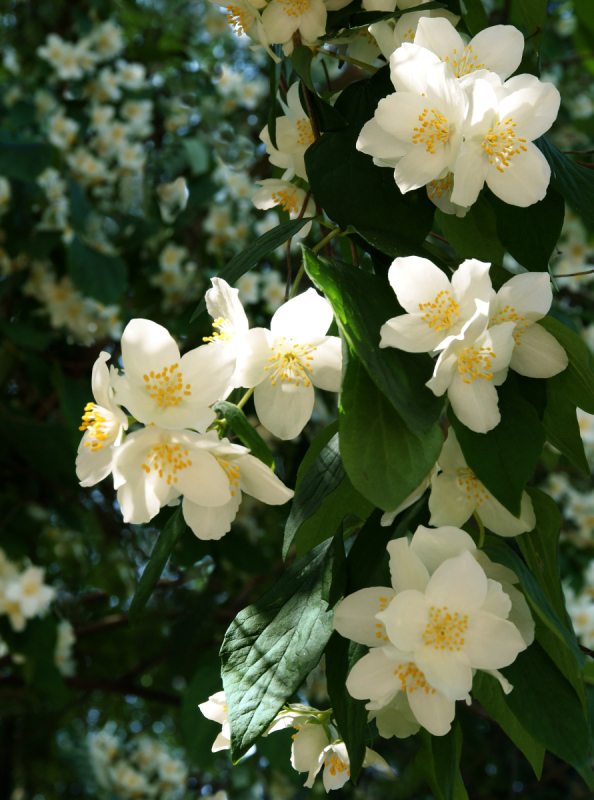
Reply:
x=584 y=164
x=535 y=33
x=574 y=274
x=360 y=64
x=289 y=264
x=578 y=152
x=283 y=83
x=354 y=253
x=437 y=236
x=327 y=74
x=586 y=651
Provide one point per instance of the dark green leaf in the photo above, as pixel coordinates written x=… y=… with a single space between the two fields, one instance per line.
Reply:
x=439 y=761
x=351 y=189
x=161 y=551
x=97 y=275
x=25 y=335
x=24 y=161
x=561 y=425
x=80 y=208
x=248 y=258
x=548 y=708
x=301 y=58
x=576 y=183
x=197 y=155
x=329 y=119
x=530 y=234
x=474 y=235
x=487 y=690
x=350 y=714
x=246 y=431
x=505 y=458
x=38 y=644
x=383 y=459
x=273 y=645
x=362 y=302
x=315 y=448
x=475 y=17
x=534 y=14
x=577 y=381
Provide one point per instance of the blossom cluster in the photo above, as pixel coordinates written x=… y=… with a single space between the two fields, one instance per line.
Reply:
x=141 y=768
x=449 y=612
x=176 y=454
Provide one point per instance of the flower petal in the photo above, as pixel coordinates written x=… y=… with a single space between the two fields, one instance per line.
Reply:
x=410 y=67
x=492 y=642
x=433 y=710
x=433 y=547
x=210 y=522
x=416 y=281
x=499 y=48
x=304 y=318
x=147 y=346
x=405 y=619
x=459 y=583
x=261 y=482
x=222 y=301
x=374 y=677
x=446 y=671
x=524 y=181
x=406 y=568
x=449 y=504
x=538 y=354
x=327 y=364
x=501 y=521
x=285 y=409
x=476 y=404
x=355 y=616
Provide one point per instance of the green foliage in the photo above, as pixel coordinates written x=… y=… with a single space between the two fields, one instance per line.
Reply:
x=24 y=160
x=576 y=382
x=96 y=274
x=246 y=431
x=273 y=645
x=438 y=760
x=561 y=425
x=534 y=14
x=167 y=540
x=474 y=15
x=505 y=458
x=301 y=58
x=475 y=234
x=574 y=181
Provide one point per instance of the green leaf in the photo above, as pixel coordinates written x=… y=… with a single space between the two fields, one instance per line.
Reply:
x=161 y=551
x=505 y=458
x=301 y=59
x=383 y=459
x=439 y=761
x=561 y=425
x=24 y=161
x=577 y=381
x=475 y=17
x=487 y=690
x=534 y=14
x=197 y=155
x=273 y=645
x=246 y=431
x=351 y=189
x=474 y=235
x=250 y=256
x=362 y=303
x=322 y=500
x=315 y=448
x=549 y=709
x=96 y=275
x=350 y=714
x=530 y=234
x=576 y=183
x=38 y=644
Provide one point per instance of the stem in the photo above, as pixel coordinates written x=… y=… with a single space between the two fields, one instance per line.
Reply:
x=289 y=263
x=360 y=64
x=246 y=397
x=481 y=530
x=315 y=249
x=574 y=274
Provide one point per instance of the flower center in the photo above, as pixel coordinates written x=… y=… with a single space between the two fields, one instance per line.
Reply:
x=167 y=390
x=291 y=361
x=335 y=764
x=381 y=628
x=286 y=199
x=236 y=18
x=306 y=136
x=500 y=143
x=409 y=36
x=441 y=312
x=509 y=314
x=232 y=472
x=468 y=481
x=101 y=426
x=441 y=186
x=225 y=331
x=434 y=130
x=475 y=362
x=445 y=630
x=167 y=460
x=411 y=678
x=294 y=8
x=465 y=64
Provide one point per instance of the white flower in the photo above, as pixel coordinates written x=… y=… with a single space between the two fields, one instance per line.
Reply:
x=471 y=365
x=498 y=48
x=273 y=289
x=249 y=286
x=390 y=34
x=104 y=424
x=215 y=708
x=245 y=473
x=172 y=770
x=502 y=123
x=5 y=195
x=230 y=325
x=108 y=40
x=132 y=76
x=389 y=517
x=173 y=198
x=293 y=136
x=282 y=18
x=524 y=299
x=287 y=361
x=456 y=493
x=63 y=652
x=436 y=308
x=160 y=387
x=61 y=130
x=25 y=596
x=440 y=191
x=275 y=192
x=417 y=130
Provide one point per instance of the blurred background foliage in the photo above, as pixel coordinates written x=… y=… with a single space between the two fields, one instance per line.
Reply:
x=95 y=229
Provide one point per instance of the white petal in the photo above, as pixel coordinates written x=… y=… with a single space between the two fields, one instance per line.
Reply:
x=410 y=332
x=138 y=500
x=398 y=115
x=397 y=719
x=375 y=141
x=470 y=173
x=410 y=67
x=313 y=22
x=250 y=368
x=538 y=354
x=449 y=503
x=261 y=482
x=419 y=167
x=475 y=404
x=147 y=346
x=373 y=677
x=433 y=710
x=93 y=466
x=459 y=583
x=204 y=481
x=327 y=364
x=100 y=381
x=448 y=672
x=405 y=619
x=520 y=614
x=307 y=746
x=524 y=181
x=406 y=568
x=433 y=547
x=307 y=316
x=416 y=281
x=533 y=108
x=210 y=522
x=355 y=616
x=499 y=520
x=222 y=301
x=492 y=642
x=499 y=48
x=278 y=25
x=284 y=408
x=471 y=281
x=497 y=602
x=439 y=36
x=527 y=293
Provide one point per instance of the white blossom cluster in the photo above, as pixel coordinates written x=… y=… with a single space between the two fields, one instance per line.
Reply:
x=142 y=768
x=177 y=453
x=237 y=90
x=575 y=255
x=316 y=745
x=177 y=277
